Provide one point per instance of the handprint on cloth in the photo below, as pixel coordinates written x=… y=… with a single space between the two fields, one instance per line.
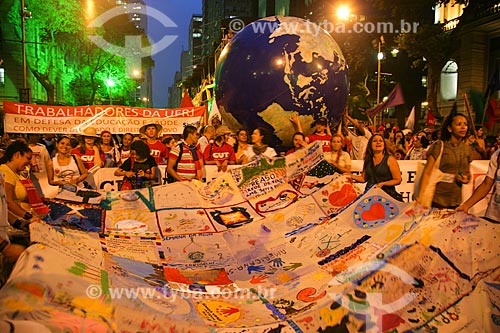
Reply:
x=258 y=268
x=278 y=262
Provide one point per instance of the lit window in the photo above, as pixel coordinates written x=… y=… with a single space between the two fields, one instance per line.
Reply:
x=449 y=81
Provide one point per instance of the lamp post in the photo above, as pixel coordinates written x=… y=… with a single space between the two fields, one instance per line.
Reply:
x=380 y=56
x=24 y=95
x=110 y=84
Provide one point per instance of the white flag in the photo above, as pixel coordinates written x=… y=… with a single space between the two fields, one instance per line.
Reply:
x=410 y=122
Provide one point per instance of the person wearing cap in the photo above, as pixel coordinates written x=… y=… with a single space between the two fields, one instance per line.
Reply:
x=219 y=152
x=158 y=150
x=88 y=150
x=321 y=131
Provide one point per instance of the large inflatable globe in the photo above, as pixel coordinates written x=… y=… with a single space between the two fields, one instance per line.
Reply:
x=276 y=66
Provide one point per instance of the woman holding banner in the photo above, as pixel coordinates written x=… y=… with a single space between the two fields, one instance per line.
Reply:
x=449 y=158
x=492 y=179
x=380 y=168
x=261 y=139
x=65 y=168
x=23 y=201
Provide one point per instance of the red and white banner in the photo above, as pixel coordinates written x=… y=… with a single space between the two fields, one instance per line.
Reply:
x=32 y=118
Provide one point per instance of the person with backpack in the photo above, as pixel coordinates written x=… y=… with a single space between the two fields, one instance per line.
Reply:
x=185 y=161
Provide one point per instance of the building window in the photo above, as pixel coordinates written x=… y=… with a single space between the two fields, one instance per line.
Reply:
x=449 y=81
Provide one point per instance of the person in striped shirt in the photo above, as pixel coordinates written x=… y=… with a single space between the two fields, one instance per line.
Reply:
x=189 y=165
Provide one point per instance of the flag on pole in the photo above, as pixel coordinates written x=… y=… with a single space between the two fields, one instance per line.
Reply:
x=491 y=109
x=431 y=121
x=214 y=112
x=186 y=100
x=410 y=122
x=489 y=116
x=394 y=98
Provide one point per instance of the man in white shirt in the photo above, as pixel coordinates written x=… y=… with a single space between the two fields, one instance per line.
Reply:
x=359 y=140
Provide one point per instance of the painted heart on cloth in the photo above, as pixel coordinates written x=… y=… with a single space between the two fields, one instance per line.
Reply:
x=376 y=212
x=345 y=196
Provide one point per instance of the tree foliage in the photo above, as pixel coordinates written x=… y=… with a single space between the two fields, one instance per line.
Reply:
x=60 y=54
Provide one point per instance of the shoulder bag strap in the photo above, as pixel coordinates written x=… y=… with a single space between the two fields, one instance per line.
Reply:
x=77 y=165
x=181 y=151
x=438 y=160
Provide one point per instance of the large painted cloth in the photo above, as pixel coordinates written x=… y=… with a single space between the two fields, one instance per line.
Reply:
x=275 y=246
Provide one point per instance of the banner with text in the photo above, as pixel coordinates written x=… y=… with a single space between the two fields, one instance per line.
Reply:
x=32 y=118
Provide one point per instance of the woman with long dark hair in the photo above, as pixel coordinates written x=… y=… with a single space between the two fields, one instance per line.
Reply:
x=110 y=150
x=455 y=159
x=14 y=164
x=241 y=144
x=380 y=168
x=261 y=138
x=65 y=168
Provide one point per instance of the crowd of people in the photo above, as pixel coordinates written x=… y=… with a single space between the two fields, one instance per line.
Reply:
x=69 y=161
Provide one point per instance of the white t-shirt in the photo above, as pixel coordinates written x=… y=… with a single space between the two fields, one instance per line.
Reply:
x=359 y=143
x=344 y=158
x=493 y=210
x=269 y=152
x=65 y=172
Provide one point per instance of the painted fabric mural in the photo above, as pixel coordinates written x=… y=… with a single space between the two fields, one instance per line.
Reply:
x=259 y=249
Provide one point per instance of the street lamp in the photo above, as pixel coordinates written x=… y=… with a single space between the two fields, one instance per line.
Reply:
x=110 y=84
x=343 y=13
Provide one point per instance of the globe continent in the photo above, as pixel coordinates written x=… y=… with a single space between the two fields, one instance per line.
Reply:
x=276 y=66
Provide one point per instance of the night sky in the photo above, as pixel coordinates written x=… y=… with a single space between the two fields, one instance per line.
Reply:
x=167 y=62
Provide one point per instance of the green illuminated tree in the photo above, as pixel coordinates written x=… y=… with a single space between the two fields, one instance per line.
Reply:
x=50 y=24
x=61 y=55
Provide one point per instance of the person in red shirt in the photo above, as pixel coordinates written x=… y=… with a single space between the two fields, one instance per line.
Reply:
x=88 y=150
x=321 y=134
x=158 y=149
x=219 y=152
x=321 y=131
